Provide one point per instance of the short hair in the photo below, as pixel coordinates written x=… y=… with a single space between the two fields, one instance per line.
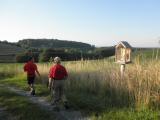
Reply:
x=57 y=59
x=30 y=58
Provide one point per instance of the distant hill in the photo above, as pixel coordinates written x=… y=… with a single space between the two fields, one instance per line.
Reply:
x=68 y=50
x=8 y=52
x=53 y=43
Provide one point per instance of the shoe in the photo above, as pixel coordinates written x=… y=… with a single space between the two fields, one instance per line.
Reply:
x=49 y=88
x=56 y=108
x=33 y=92
x=66 y=105
x=53 y=103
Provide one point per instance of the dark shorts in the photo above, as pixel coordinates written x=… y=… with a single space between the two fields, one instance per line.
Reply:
x=30 y=80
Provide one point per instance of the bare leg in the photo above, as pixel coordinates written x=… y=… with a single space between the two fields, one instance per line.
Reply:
x=50 y=83
x=32 y=90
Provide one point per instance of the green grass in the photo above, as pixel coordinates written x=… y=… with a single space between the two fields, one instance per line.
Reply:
x=127 y=114
x=20 y=81
x=95 y=87
x=147 y=53
x=21 y=108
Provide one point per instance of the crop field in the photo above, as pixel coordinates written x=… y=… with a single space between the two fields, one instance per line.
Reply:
x=97 y=89
x=8 y=52
x=9 y=49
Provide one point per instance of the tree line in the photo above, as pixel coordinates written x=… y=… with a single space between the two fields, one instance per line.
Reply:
x=53 y=43
x=43 y=50
x=46 y=55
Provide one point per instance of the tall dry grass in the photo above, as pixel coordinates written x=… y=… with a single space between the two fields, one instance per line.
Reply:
x=140 y=85
x=9 y=70
x=101 y=80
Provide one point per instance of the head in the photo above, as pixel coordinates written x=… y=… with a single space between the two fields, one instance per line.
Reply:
x=31 y=59
x=57 y=60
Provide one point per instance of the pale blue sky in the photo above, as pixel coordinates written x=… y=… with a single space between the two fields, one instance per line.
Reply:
x=98 y=22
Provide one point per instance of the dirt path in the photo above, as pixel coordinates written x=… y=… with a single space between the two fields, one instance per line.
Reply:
x=42 y=102
x=4 y=115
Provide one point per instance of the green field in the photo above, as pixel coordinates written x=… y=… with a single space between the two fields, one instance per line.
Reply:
x=152 y=53
x=8 y=52
x=96 y=88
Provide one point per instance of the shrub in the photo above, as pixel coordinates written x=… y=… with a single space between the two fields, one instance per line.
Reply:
x=21 y=58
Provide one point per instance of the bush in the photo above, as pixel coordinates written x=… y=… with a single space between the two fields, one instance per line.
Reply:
x=48 y=53
x=21 y=58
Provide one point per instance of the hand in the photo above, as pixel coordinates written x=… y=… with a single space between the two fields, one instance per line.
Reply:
x=65 y=78
x=39 y=77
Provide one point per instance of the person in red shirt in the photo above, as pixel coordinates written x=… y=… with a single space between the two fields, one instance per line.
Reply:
x=31 y=69
x=57 y=76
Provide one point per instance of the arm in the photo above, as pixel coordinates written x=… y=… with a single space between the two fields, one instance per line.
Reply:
x=65 y=73
x=36 y=69
x=52 y=72
x=50 y=78
x=25 y=68
x=38 y=72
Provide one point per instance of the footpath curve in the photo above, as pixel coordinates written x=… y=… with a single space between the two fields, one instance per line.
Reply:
x=42 y=102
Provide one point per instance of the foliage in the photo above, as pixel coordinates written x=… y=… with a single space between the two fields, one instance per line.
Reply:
x=48 y=53
x=53 y=43
x=127 y=114
x=147 y=53
x=74 y=54
x=23 y=57
x=44 y=49
x=104 y=51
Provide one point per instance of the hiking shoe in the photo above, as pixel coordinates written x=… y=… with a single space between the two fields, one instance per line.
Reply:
x=56 y=108
x=52 y=103
x=49 y=88
x=33 y=92
x=66 y=105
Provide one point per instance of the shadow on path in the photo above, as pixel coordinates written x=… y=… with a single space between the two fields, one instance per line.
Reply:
x=42 y=102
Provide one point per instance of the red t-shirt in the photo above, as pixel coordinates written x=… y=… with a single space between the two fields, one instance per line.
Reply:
x=58 y=72
x=30 y=68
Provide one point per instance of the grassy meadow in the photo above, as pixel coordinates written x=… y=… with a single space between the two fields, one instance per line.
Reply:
x=97 y=88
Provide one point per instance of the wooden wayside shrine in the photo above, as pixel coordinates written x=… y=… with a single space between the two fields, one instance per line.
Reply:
x=123 y=55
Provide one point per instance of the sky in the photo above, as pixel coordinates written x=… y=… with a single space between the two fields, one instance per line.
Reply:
x=97 y=22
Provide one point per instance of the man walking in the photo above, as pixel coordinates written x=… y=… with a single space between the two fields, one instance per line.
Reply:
x=58 y=75
x=31 y=68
